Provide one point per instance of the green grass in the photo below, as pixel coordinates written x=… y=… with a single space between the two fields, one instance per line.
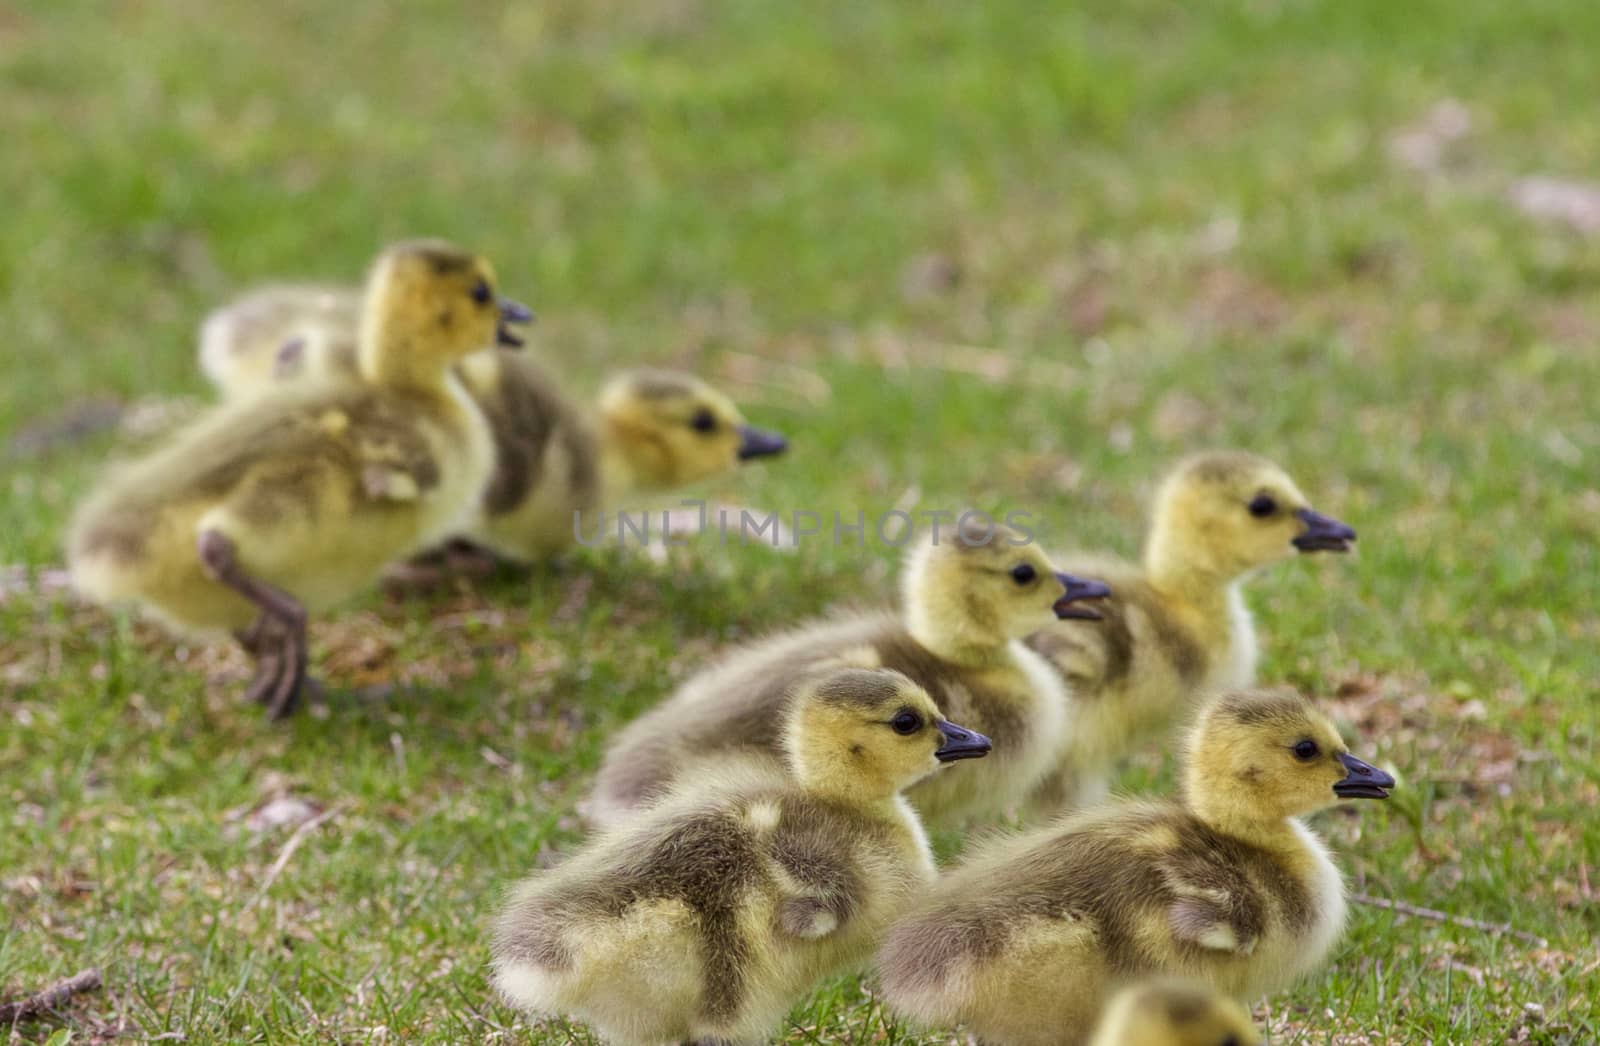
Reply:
x=742 y=188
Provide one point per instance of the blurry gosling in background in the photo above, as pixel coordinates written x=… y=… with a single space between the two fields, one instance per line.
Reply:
x=296 y=500
x=1174 y=1012
x=966 y=606
x=1176 y=626
x=711 y=915
x=651 y=430
x=1026 y=941
x=278 y=332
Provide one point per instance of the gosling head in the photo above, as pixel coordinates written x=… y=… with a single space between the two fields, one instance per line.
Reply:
x=871 y=733
x=1174 y=1012
x=1260 y=755
x=673 y=429
x=976 y=587
x=429 y=303
x=1225 y=513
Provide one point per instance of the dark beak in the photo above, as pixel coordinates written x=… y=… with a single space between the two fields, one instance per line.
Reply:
x=511 y=312
x=960 y=743
x=1323 y=533
x=1362 y=780
x=759 y=443
x=1078 y=589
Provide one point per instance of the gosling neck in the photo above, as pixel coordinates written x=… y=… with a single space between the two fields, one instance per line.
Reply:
x=1175 y=569
x=838 y=779
x=388 y=355
x=631 y=461
x=1220 y=810
x=956 y=641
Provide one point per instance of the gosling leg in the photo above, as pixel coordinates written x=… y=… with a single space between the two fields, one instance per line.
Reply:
x=260 y=642
x=281 y=633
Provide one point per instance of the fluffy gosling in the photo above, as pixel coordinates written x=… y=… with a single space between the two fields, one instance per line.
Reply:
x=296 y=500
x=1174 y=1012
x=652 y=431
x=711 y=915
x=1177 y=626
x=1025 y=942
x=966 y=606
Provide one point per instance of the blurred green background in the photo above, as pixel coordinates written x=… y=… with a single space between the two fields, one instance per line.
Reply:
x=1004 y=254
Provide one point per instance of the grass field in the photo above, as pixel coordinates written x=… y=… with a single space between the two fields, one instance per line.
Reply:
x=982 y=254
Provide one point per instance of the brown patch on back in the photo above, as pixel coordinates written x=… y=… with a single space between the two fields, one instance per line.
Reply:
x=525 y=413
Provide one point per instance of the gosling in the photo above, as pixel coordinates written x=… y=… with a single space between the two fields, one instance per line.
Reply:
x=296 y=500
x=1025 y=942
x=1177 y=627
x=710 y=916
x=1174 y=1012
x=967 y=604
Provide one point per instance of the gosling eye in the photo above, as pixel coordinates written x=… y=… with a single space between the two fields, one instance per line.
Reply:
x=1231 y=1040
x=1306 y=750
x=1262 y=506
x=906 y=722
x=703 y=421
x=1023 y=573
x=481 y=292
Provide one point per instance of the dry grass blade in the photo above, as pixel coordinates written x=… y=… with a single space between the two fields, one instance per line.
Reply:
x=1436 y=915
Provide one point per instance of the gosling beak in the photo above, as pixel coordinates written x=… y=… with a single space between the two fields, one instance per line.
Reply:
x=1078 y=588
x=1362 y=780
x=1322 y=533
x=511 y=312
x=960 y=743
x=759 y=443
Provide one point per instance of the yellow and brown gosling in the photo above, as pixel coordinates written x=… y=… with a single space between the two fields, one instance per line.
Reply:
x=1176 y=627
x=1027 y=940
x=709 y=916
x=293 y=501
x=965 y=607
x=653 y=431
x=1172 y=1011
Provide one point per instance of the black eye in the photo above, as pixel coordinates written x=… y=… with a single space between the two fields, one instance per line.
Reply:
x=1231 y=1040
x=1023 y=573
x=1262 y=506
x=906 y=722
x=703 y=421
x=481 y=292
x=1305 y=751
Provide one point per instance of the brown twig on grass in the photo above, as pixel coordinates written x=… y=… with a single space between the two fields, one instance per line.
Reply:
x=53 y=996
x=1436 y=915
x=291 y=846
